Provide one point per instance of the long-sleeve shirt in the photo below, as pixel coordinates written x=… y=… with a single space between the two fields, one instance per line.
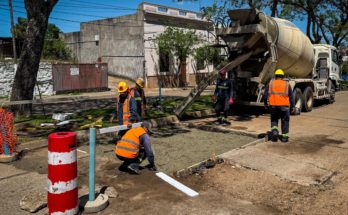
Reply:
x=140 y=99
x=290 y=94
x=223 y=89
x=132 y=110
x=145 y=141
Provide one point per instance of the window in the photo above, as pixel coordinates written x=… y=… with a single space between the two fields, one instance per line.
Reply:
x=163 y=61
x=182 y=13
x=162 y=9
x=199 y=16
x=334 y=56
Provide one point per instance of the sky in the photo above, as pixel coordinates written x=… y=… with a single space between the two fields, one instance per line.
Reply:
x=68 y=14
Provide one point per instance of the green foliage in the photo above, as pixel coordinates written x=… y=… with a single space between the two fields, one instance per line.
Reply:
x=54 y=47
x=208 y=54
x=177 y=42
x=217 y=13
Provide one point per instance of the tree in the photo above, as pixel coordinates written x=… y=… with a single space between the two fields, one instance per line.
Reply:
x=38 y=12
x=208 y=55
x=178 y=43
x=327 y=20
x=54 y=47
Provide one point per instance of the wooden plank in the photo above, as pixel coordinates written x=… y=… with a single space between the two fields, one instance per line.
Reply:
x=195 y=92
x=188 y=191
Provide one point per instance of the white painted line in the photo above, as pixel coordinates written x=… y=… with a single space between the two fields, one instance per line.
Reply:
x=118 y=128
x=59 y=158
x=188 y=191
x=72 y=211
x=79 y=150
x=61 y=186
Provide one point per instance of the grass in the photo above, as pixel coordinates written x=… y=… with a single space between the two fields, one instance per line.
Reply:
x=154 y=110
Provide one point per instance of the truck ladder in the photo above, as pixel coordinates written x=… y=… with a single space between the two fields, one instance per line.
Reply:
x=195 y=92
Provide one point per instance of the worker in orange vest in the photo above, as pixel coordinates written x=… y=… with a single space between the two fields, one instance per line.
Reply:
x=279 y=97
x=134 y=147
x=126 y=106
x=139 y=95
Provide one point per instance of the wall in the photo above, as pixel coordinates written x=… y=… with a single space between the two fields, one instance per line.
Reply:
x=120 y=44
x=156 y=22
x=44 y=78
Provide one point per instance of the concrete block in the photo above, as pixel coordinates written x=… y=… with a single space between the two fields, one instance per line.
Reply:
x=8 y=158
x=99 y=204
x=34 y=201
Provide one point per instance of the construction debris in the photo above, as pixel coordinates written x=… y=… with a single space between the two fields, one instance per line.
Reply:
x=34 y=201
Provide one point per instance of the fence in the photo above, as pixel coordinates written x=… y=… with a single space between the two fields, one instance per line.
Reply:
x=79 y=77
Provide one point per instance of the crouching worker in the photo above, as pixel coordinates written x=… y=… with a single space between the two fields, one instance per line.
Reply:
x=134 y=147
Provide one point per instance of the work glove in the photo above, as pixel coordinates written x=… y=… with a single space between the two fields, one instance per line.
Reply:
x=293 y=110
x=230 y=101
x=213 y=99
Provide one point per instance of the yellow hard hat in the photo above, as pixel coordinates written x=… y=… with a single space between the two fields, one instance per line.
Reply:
x=122 y=87
x=140 y=82
x=279 y=72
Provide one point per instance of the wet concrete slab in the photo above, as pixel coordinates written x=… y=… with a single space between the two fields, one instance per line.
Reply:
x=301 y=171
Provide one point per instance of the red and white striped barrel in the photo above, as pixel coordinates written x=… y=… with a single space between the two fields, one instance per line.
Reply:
x=62 y=197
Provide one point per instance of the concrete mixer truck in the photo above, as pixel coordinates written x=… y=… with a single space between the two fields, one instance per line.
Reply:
x=257 y=45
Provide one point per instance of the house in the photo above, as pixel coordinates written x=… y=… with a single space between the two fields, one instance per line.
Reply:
x=126 y=43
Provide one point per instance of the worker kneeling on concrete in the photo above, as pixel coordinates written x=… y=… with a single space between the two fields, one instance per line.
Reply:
x=134 y=147
x=279 y=97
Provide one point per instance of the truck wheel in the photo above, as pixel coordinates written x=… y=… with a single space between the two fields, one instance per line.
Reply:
x=298 y=100
x=331 y=87
x=307 y=100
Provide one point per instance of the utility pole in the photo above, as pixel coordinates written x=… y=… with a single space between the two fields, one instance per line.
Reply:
x=13 y=34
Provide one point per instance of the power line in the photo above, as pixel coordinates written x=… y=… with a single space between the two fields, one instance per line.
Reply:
x=88 y=23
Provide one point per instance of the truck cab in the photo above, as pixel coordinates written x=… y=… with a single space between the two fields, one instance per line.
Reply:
x=327 y=64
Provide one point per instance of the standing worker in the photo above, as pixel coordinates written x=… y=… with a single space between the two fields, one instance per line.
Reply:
x=126 y=106
x=139 y=95
x=223 y=97
x=134 y=147
x=278 y=96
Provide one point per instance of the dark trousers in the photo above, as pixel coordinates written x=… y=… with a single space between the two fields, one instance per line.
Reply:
x=282 y=113
x=222 y=105
x=127 y=161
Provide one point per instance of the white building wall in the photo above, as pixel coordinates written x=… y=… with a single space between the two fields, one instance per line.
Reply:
x=151 y=31
x=44 y=79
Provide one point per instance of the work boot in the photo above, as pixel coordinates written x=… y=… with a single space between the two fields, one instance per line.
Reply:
x=134 y=168
x=274 y=137
x=226 y=122
x=218 y=121
x=284 y=139
x=123 y=167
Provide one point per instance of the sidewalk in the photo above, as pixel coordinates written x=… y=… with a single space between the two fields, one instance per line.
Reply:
x=149 y=92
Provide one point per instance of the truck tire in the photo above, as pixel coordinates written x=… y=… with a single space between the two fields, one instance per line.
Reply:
x=307 y=99
x=332 y=90
x=298 y=100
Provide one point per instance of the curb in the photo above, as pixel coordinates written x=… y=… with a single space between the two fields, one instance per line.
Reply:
x=223 y=130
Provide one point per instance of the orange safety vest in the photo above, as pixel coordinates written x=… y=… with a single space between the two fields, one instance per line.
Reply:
x=278 y=93
x=129 y=145
x=126 y=109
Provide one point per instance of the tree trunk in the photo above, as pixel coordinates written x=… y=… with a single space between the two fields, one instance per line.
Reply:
x=23 y=87
x=182 y=73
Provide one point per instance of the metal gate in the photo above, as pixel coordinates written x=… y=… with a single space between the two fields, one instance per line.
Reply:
x=80 y=77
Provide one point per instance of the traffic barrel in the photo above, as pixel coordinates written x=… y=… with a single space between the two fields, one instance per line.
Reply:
x=62 y=197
